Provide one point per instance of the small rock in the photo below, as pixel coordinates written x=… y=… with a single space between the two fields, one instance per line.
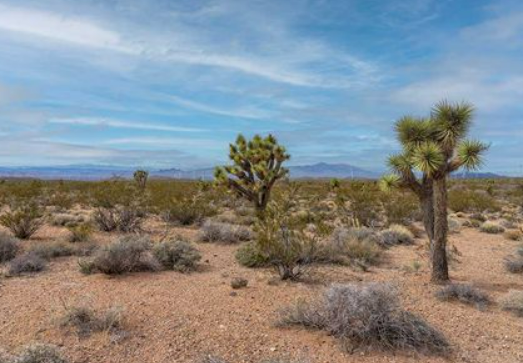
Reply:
x=239 y=282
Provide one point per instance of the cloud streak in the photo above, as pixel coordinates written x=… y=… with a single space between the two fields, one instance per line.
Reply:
x=103 y=122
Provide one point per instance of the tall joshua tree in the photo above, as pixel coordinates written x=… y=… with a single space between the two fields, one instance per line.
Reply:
x=452 y=151
x=435 y=147
x=413 y=133
x=257 y=166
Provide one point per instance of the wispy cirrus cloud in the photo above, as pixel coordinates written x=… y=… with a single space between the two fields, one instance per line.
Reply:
x=104 y=122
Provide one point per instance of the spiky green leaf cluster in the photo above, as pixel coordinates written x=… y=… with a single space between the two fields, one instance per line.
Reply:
x=257 y=165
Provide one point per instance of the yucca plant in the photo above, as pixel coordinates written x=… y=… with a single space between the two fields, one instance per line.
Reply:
x=140 y=178
x=257 y=166
x=435 y=147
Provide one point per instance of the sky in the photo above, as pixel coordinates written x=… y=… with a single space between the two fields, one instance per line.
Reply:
x=169 y=83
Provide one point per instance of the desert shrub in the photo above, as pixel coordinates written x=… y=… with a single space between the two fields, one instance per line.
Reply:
x=353 y=246
x=514 y=264
x=23 y=222
x=513 y=302
x=364 y=200
x=177 y=255
x=26 y=263
x=513 y=235
x=66 y=220
x=239 y=282
x=288 y=248
x=86 y=321
x=224 y=232
x=127 y=254
x=367 y=316
x=464 y=293
x=62 y=249
x=80 y=232
x=478 y=217
x=491 y=228
x=9 y=247
x=400 y=208
x=38 y=353
x=461 y=200
x=188 y=211
x=454 y=225
x=396 y=235
x=53 y=250
x=250 y=255
x=121 y=219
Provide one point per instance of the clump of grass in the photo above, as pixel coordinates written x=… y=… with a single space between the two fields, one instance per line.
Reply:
x=513 y=302
x=177 y=255
x=396 y=235
x=239 y=282
x=491 y=228
x=513 y=235
x=367 y=316
x=62 y=249
x=9 y=247
x=26 y=263
x=127 y=254
x=23 y=222
x=38 y=353
x=250 y=255
x=80 y=233
x=514 y=264
x=85 y=320
x=464 y=293
x=212 y=231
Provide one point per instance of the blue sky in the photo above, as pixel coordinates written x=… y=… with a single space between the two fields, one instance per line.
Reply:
x=168 y=83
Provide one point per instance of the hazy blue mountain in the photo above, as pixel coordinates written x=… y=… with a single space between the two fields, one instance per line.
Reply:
x=100 y=172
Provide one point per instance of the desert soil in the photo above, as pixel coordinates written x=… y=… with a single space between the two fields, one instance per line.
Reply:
x=173 y=317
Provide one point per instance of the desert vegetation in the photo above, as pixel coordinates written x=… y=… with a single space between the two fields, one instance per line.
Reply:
x=257 y=256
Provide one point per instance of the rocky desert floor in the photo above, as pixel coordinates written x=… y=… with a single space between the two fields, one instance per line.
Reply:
x=174 y=317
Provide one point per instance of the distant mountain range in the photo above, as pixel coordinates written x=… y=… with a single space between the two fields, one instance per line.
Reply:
x=100 y=172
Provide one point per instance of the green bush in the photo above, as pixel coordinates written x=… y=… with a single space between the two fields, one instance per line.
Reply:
x=23 y=222
x=469 y=201
x=9 y=247
x=80 y=233
x=177 y=255
x=491 y=228
x=249 y=255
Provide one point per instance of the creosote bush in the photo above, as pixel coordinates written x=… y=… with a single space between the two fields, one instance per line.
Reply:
x=367 y=316
x=26 y=263
x=212 y=231
x=513 y=302
x=23 y=222
x=464 y=293
x=9 y=247
x=177 y=255
x=121 y=219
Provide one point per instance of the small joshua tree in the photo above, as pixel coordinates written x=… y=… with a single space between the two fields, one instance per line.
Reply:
x=140 y=177
x=435 y=147
x=257 y=167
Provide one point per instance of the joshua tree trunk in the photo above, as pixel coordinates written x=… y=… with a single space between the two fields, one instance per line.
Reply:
x=440 y=269
x=427 y=207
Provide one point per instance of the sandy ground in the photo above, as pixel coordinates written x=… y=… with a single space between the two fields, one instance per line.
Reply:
x=172 y=317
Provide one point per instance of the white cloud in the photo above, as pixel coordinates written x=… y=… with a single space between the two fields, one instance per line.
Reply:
x=104 y=122
x=249 y=112
x=167 y=142
x=57 y=27
x=187 y=45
